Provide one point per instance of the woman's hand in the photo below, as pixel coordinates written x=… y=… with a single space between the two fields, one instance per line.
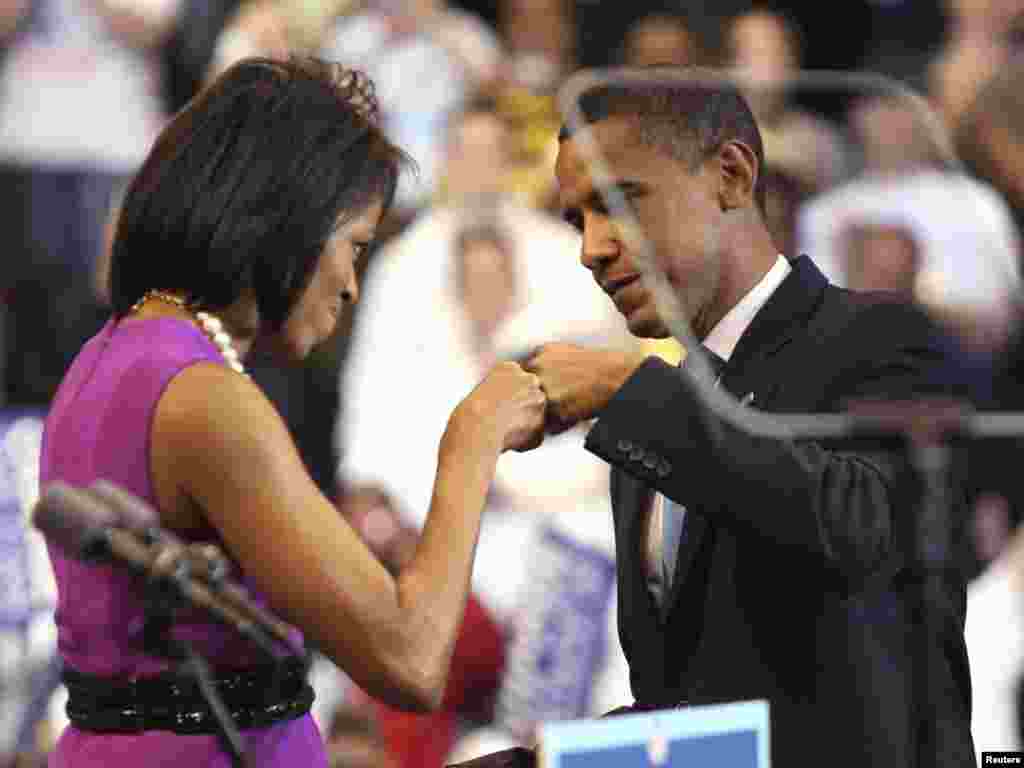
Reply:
x=507 y=406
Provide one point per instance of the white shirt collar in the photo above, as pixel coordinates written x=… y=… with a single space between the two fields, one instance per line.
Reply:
x=726 y=334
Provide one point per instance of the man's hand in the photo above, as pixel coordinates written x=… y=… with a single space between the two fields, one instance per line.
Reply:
x=579 y=381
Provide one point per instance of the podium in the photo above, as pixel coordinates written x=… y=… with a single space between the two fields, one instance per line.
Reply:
x=733 y=735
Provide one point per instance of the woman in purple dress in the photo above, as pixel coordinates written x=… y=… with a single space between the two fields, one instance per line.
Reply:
x=243 y=227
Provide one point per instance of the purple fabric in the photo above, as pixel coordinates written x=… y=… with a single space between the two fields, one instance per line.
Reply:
x=98 y=427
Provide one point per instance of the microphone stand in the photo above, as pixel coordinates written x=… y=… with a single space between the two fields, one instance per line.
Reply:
x=928 y=428
x=164 y=595
x=932 y=463
x=90 y=524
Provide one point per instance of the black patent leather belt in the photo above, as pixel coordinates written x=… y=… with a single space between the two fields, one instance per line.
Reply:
x=256 y=697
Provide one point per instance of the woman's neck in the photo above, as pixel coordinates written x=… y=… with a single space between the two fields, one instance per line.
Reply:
x=235 y=319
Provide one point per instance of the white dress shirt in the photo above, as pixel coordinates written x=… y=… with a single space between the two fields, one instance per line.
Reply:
x=722 y=340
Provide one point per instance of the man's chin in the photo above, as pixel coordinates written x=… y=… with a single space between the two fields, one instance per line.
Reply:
x=643 y=326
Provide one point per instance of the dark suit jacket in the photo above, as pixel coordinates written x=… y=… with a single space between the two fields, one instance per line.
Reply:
x=794 y=582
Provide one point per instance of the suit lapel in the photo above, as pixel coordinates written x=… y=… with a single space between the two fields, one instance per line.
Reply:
x=779 y=319
x=773 y=327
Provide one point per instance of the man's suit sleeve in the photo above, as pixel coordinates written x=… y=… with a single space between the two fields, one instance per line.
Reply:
x=840 y=507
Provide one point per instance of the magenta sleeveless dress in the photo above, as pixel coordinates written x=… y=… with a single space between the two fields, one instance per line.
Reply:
x=98 y=427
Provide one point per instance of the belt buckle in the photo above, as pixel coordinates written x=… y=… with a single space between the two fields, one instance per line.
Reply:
x=135 y=712
x=186 y=721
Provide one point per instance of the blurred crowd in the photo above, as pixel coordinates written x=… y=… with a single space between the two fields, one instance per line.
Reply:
x=916 y=186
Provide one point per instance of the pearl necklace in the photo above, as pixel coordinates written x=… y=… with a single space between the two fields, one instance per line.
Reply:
x=211 y=325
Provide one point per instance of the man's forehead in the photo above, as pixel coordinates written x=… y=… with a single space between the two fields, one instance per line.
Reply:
x=616 y=139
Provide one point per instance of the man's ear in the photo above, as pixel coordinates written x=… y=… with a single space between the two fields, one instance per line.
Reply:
x=738 y=170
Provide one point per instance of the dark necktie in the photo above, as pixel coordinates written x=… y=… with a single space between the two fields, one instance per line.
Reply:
x=673 y=516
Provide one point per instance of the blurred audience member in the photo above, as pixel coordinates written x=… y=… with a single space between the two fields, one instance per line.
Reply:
x=255 y=28
x=354 y=741
x=540 y=36
x=426 y=58
x=478 y=155
x=210 y=35
x=785 y=193
x=763 y=48
x=895 y=135
x=29 y=667
x=803 y=153
x=880 y=257
x=661 y=40
x=533 y=120
x=983 y=36
x=958 y=72
x=985 y=20
x=956 y=235
x=990 y=137
x=12 y=12
x=79 y=107
x=913 y=222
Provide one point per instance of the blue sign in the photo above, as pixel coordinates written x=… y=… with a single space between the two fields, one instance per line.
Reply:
x=561 y=637
x=734 y=735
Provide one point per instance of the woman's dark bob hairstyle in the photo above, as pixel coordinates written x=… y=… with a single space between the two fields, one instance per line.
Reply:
x=245 y=185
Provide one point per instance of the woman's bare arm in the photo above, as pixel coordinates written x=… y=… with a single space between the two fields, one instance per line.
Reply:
x=229 y=451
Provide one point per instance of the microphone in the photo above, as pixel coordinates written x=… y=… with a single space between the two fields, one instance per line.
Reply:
x=104 y=523
x=204 y=560
x=75 y=524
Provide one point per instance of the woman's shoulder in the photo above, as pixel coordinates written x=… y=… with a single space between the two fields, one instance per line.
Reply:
x=211 y=397
x=143 y=356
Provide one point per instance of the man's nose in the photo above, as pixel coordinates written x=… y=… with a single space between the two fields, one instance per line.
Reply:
x=601 y=243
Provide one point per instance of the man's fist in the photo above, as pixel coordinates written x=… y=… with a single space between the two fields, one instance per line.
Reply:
x=579 y=381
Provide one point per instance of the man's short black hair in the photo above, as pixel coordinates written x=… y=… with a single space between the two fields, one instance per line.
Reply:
x=688 y=119
x=246 y=184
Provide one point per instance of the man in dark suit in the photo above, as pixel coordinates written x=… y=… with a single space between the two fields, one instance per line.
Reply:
x=751 y=567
